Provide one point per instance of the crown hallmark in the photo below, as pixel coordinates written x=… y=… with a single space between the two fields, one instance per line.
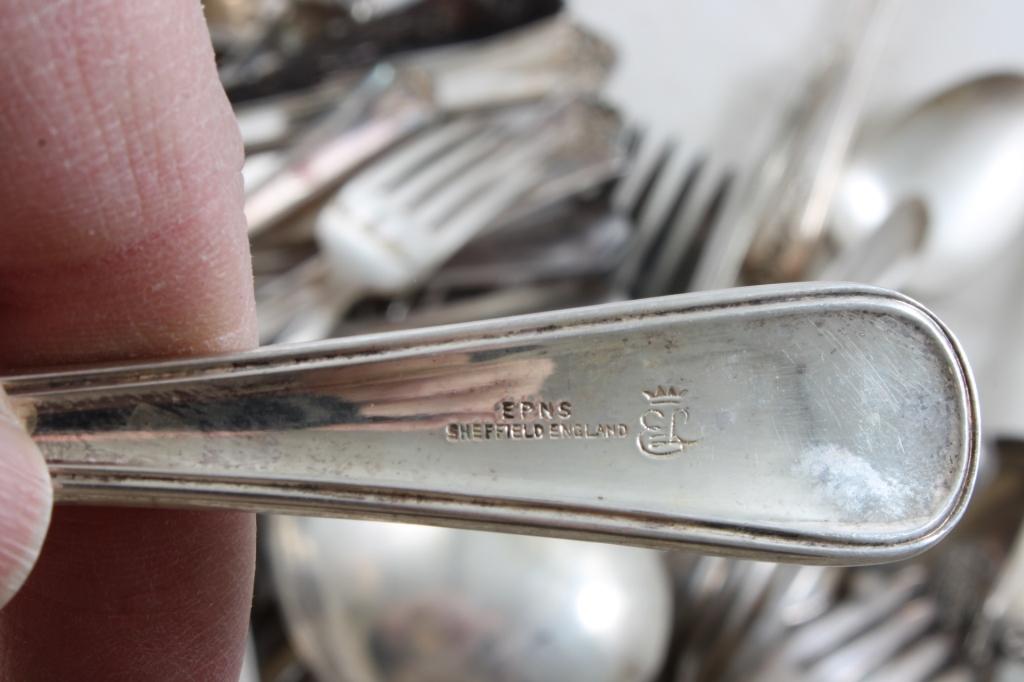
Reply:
x=663 y=395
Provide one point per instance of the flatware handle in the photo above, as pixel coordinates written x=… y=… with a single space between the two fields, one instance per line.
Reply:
x=819 y=423
x=385 y=108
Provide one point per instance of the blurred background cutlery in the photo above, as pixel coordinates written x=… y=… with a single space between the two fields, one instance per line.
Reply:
x=719 y=144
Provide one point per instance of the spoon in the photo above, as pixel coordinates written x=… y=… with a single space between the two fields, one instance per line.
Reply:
x=819 y=423
x=960 y=157
x=384 y=602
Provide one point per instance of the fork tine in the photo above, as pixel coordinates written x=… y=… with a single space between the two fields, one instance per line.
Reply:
x=632 y=138
x=446 y=167
x=622 y=187
x=515 y=142
x=654 y=246
x=633 y=199
x=865 y=654
x=708 y=221
x=848 y=620
x=636 y=208
x=738 y=619
x=393 y=168
x=708 y=623
x=486 y=208
x=920 y=662
x=414 y=207
x=672 y=260
x=487 y=176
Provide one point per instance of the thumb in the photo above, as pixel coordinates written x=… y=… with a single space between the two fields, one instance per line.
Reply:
x=26 y=497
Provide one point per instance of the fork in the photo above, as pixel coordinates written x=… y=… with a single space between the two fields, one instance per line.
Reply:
x=673 y=198
x=659 y=209
x=576 y=240
x=885 y=629
x=551 y=57
x=403 y=217
x=667 y=201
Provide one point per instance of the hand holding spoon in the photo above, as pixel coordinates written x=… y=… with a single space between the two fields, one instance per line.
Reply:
x=815 y=423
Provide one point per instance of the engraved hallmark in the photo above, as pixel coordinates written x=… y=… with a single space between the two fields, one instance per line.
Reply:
x=529 y=419
x=660 y=424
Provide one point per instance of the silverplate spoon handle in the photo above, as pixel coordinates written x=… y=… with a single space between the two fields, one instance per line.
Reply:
x=814 y=423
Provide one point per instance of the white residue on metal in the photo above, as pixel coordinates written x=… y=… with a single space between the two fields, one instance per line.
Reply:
x=848 y=481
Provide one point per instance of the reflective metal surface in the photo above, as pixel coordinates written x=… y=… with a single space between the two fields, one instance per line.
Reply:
x=376 y=602
x=405 y=217
x=830 y=423
x=394 y=224
x=960 y=155
x=777 y=215
x=552 y=57
x=731 y=614
x=675 y=215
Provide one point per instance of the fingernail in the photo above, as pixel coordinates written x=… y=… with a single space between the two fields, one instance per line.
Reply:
x=26 y=499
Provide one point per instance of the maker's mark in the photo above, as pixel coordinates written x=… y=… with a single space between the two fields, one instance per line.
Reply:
x=661 y=423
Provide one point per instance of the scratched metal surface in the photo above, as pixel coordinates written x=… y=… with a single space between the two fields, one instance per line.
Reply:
x=827 y=423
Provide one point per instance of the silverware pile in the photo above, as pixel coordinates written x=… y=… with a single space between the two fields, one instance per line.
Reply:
x=401 y=178
x=492 y=141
